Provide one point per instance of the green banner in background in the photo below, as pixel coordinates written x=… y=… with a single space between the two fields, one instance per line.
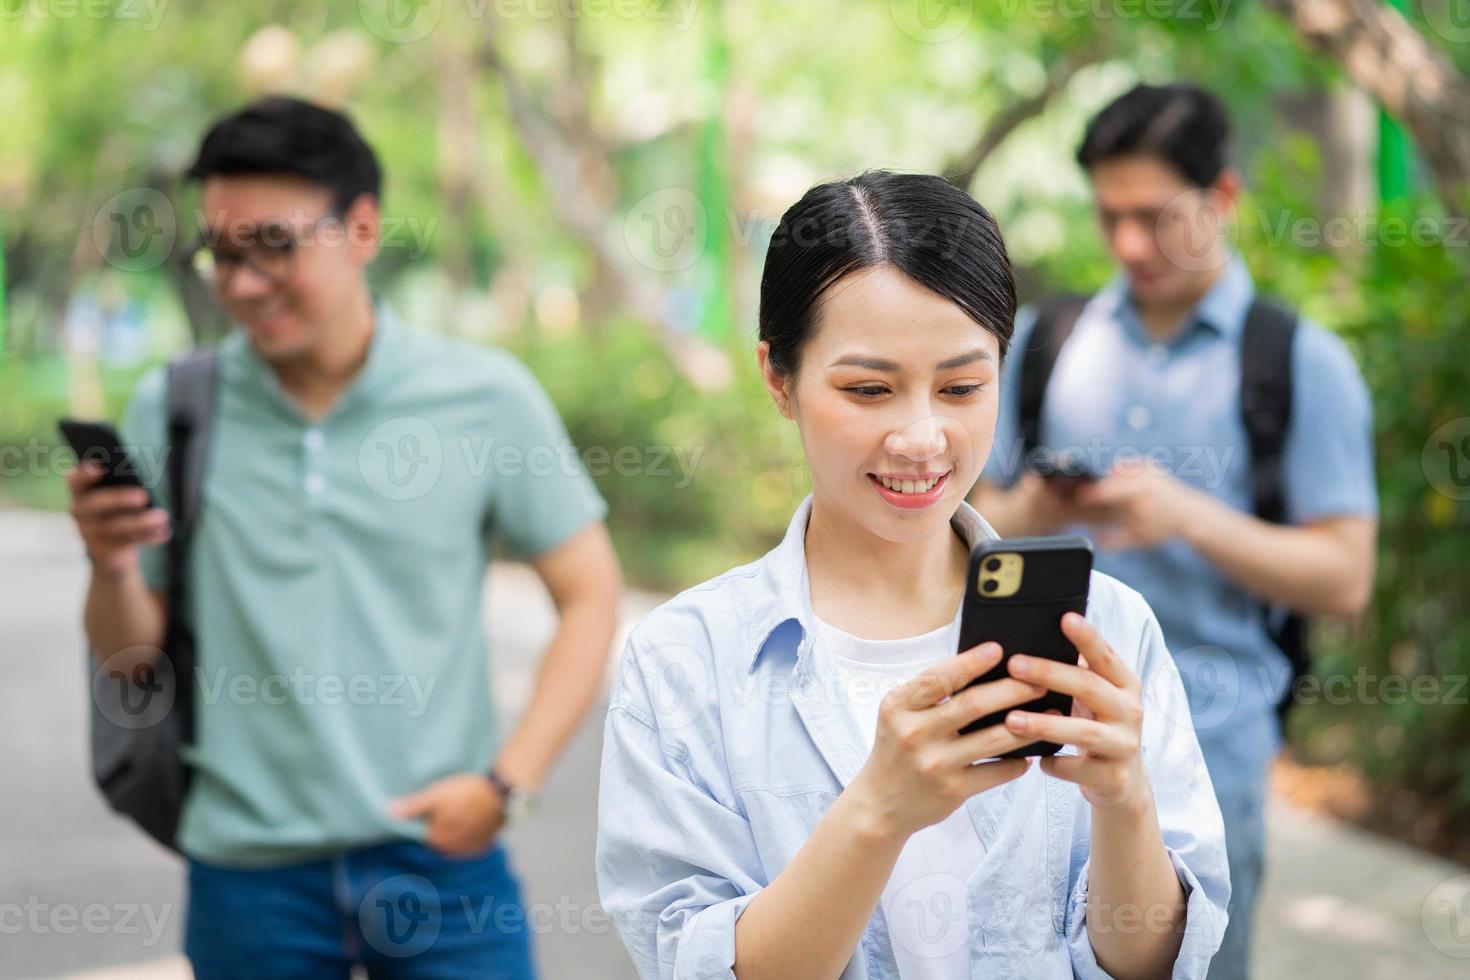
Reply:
x=1395 y=153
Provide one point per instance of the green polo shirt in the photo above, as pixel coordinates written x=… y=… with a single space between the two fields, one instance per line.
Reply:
x=335 y=582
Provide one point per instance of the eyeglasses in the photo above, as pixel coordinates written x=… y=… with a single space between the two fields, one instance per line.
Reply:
x=269 y=250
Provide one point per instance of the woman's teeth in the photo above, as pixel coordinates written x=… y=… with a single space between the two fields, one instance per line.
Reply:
x=909 y=486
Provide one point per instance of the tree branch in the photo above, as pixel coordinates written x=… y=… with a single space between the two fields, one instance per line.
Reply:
x=1409 y=77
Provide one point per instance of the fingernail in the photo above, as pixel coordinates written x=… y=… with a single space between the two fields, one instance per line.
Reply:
x=1072 y=619
x=1017 y=720
x=1020 y=664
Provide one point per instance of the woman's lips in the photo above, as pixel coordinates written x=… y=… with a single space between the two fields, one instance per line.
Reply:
x=911 y=501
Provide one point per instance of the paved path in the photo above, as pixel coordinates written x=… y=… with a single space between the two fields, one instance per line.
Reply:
x=82 y=894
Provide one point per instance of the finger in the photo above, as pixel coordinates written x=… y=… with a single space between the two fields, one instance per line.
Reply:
x=1071 y=768
x=946 y=679
x=129 y=526
x=1092 y=737
x=1101 y=658
x=108 y=500
x=413 y=806
x=986 y=743
x=80 y=478
x=1101 y=696
x=988 y=775
x=979 y=701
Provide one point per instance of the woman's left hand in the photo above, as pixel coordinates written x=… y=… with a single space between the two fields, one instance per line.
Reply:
x=1106 y=723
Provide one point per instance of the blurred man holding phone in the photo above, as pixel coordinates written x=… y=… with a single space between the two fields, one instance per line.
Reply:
x=347 y=777
x=1216 y=446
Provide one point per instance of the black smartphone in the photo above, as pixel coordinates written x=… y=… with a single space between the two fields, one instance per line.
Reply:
x=98 y=442
x=1016 y=592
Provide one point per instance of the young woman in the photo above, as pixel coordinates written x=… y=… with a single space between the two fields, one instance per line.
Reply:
x=784 y=791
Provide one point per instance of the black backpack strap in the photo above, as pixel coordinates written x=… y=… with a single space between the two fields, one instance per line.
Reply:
x=1265 y=401
x=1265 y=409
x=190 y=413
x=1055 y=319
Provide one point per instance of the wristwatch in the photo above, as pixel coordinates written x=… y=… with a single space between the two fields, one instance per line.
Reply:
x=518 y=803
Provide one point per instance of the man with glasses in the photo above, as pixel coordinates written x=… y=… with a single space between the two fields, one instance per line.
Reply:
x=1218 y=448
x=348 y=784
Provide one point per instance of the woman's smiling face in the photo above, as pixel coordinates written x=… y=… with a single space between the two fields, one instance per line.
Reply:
x=895 y=398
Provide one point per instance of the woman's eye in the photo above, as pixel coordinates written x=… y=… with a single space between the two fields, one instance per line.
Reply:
x=868 y=391
x=963 y=390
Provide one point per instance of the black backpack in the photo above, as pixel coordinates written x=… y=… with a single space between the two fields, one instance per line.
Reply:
x=141 y=721
x=1265 y=409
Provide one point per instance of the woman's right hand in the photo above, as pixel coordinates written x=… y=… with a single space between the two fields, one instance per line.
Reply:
x=921 y=769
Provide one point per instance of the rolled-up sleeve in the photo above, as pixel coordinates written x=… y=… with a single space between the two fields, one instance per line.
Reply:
x=675 y=866
x=1189 y=817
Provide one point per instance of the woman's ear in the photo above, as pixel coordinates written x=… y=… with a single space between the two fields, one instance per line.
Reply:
x=777 y=384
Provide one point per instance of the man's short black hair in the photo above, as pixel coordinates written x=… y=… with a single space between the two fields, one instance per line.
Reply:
x=282 y=135
x=1181 y=124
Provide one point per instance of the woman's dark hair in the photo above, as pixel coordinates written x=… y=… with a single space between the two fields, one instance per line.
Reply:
x=282 y=135
x=923 y=226
x=1181 y=124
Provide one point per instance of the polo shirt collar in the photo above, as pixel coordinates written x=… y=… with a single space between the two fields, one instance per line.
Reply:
x=241 y=363
x=786 y=588
x=1222 y=309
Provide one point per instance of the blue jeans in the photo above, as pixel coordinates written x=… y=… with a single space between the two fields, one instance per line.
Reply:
x=398 y=909
x=1242 y=804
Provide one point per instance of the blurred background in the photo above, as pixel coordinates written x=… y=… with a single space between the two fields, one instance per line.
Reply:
x=591 y=184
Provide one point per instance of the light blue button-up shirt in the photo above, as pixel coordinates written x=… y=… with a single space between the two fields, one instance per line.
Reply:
x=723 y=749
x=1116 y=391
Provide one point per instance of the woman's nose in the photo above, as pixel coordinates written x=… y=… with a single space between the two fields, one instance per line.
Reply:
x=919 y=440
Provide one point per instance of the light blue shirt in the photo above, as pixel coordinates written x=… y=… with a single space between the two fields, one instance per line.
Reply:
x=1114 y=392
x=723 y=749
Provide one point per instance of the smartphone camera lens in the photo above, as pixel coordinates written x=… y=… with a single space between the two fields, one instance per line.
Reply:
x=993 y=565
x=989 y=585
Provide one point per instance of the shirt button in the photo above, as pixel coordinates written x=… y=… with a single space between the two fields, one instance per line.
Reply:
x=1139 y=418
x=312 y=439
x=315 y=484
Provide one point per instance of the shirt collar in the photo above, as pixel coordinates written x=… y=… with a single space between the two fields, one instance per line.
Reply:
x=783 y=576
x=1222 y=309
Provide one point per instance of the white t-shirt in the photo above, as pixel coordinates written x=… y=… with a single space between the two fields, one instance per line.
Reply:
x=926 y=899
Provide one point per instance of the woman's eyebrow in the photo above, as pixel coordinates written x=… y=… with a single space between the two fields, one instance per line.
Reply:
x=878 y=364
